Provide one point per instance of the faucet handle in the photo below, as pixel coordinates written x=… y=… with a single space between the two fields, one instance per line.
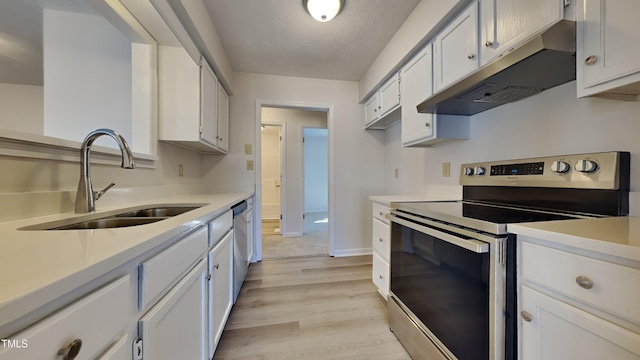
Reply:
x=99 y=194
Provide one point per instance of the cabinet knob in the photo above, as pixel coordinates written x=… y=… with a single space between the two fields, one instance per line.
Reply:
x=381 y=213
x=591 y=60
x=427 y=124
x=208 y=276
x=488 y=43
x=381 y=240
x=526 y=316
x=220 y=139
x=584 y=282
x=375 y=110
x=380 y=276
x=471 y=56
x=379 y=107
x=71 y=351
x=217 y=266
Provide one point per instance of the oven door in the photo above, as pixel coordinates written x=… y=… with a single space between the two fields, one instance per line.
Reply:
x=451 y=283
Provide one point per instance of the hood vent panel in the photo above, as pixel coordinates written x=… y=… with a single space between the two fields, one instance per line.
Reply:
x=545 y=61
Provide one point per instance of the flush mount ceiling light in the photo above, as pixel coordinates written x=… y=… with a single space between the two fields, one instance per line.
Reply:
x=323 y=10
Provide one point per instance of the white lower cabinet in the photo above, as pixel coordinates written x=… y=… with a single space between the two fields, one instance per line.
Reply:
x=88 y=327
x=559 y=331
x=175 y=328
x=575 y=304
x=121 y=350
x=381 y=243
x=220 y=288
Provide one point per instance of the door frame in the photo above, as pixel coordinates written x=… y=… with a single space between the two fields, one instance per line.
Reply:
x=283 y=171
x=302 y=164
x=326 y=107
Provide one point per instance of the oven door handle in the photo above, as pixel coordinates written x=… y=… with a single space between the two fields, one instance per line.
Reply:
x=476 y=246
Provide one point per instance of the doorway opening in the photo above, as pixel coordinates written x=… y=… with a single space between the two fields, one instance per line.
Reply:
x=302 y=198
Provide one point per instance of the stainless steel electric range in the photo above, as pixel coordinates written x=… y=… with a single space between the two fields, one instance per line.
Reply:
x=453 y=271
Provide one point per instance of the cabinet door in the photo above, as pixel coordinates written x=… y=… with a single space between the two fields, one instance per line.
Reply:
x=506 y=23
x=608 y=38
x=175 y=328
x=220 y=288
x=559 y=331
x=455 y=49
x=416 y=86
x=371 y=109
x=209 y=105
x=250 y=245
x=389 y=95
x=223 y=119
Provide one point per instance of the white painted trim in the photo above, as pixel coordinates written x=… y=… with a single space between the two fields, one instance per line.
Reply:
x=33 y=146
x=258 y=180
x=353 y=252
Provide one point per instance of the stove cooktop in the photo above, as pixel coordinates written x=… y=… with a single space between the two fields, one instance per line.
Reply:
x=484 y=217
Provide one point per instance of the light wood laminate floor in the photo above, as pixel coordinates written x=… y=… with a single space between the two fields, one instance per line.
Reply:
x=309 y=308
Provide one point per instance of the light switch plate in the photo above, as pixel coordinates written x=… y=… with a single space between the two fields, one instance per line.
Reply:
x=446 y=169
x=247 y=149
x=396 y=173
x=180 y=170
x=249 y=164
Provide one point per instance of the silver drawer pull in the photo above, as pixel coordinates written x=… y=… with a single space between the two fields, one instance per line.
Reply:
x=71 y=351
x=488 y=43
x=584 y=282
x=591 y=60
x=427 y=124
x=526 y=316
x=471 y=56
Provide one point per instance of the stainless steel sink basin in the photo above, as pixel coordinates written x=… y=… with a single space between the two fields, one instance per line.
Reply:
x=109 y=223
x=158 y=212
x=134 y=216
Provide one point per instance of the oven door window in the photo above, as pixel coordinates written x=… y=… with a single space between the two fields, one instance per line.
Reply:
x=446 y=287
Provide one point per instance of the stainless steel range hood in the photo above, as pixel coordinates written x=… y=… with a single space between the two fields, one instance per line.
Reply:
x=546 y=60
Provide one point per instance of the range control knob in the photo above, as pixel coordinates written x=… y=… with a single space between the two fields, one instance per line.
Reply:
x=480 y=170
x=468 y=171
x=587 y=166
x=560 y=167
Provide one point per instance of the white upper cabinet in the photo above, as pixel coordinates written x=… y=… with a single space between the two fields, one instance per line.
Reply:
x=189 y=106
x=417 y=85
x=382 y=109
x=222 y=137
x=506 y=23
x=455 y=49
x=608 y=48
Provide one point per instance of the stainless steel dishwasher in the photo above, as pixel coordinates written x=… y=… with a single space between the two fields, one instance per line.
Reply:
x=240 y=246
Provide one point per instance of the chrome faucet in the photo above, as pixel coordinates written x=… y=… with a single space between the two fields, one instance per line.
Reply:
x=86 y=197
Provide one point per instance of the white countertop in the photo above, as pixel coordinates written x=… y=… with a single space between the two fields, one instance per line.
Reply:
x=37 y=267
x=616 y=236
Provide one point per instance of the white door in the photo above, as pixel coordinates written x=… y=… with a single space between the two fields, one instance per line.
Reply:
x=455 y=49
x=176 y=327
x=554 y=330
x=208 y=105
x=223 y=119
x=609 y=40
x=416 y=86
x=220 y=288
x=506 y=23
x=371 y=109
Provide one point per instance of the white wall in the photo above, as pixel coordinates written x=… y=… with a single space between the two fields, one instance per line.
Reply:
x=316 y=166
x=22 y=107
x=357 y=171
x=551 y=123
x=270 y=144
x=87 y=77
x=293 y=120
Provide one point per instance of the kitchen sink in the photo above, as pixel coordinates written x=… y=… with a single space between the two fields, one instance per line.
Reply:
x=135 y=216
x=109 y=223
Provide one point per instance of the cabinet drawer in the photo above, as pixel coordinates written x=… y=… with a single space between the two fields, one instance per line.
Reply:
x=381 y=238
x=164 y=269
x=613 y=286
x=379 y=212
x=96 y=320
x=121 y=350
x=220 y=226
x=380 y=274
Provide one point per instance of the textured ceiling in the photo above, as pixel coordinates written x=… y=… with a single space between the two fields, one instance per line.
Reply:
x=279 y=37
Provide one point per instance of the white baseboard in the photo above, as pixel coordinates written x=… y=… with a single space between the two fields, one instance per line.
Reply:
x=352 y=252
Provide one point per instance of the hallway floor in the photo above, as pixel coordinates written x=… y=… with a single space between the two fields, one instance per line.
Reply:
x=314 y=242
x=309 y=308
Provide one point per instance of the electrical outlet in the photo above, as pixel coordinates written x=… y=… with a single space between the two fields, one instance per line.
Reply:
x=446 y=169
x=247 y=149
x=396 y=173
x=249 y=164
x=180 y=170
